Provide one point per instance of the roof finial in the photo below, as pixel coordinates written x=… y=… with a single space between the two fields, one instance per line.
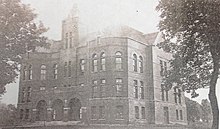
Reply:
x=74 y=11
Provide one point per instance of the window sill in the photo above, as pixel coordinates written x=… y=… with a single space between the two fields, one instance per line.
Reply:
x=120 y=119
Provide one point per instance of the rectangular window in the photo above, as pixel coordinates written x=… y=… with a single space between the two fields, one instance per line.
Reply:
x=162 y=94
x=42 y=88
x=69 y=69
x=118 y=87
x=95 y=82
x=24 y=72
x=26 y=113
x=181 y=115
x=101 y=112
x=93 y=112
x=29 y=94
x=118 y=63
x=142 y=90
x=179 y=95
x=167 y=94
x=65 y=69
x=136 y=112
x=175 y=95
x=119 y=112
x=55 y=71
x=177 y=114
x=95 y=89
x=143 y=115
x=66 y=44
x=82 y=65
x=23 y=95
x=135 y=89
x=43 y=72
x=141 y=64
x=161 y=67
x=102 y=88
x=166 y=115
x=165 y=67
x=95 y=65
x=30 y=76
x=21 y=114
x=70 y=39
x=103 y=64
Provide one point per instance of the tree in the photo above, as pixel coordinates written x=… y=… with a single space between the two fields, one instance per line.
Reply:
x=191 y=31
x=9 y=113
x=194 y=110
x=19 y=34
x=207 y=111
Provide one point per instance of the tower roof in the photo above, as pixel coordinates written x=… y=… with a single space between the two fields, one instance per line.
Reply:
x=74 y=11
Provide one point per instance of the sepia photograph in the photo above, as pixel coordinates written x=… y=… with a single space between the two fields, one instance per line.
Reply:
x=109 y=64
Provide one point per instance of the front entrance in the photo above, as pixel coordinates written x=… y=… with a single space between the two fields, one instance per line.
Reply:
x=57 y=110
x=75 y=109
x=41 y=114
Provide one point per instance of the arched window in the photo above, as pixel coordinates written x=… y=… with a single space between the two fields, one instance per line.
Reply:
x=135 y=62
x=24 y=72
x=118 y=61
x=43 y=72
x=103 y=61
x=141 y=64
x=30 y=73
x=55 y=71
x=94 y=63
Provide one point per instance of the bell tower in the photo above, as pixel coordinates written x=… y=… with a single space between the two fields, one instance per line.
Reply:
x=70 y=30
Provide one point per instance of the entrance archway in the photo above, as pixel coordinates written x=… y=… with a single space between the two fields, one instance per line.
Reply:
x=57 y=110
x=41 y=114
x=74 y=111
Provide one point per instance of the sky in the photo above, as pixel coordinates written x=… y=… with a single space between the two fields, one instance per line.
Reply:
x=97 y=14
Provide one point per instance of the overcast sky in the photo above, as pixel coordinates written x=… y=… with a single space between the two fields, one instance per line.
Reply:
x=139 y=14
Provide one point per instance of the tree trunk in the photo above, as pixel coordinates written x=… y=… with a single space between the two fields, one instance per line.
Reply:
x=212 y=93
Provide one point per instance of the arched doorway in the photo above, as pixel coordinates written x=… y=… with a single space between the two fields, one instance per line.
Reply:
x=74 y=112
x=41 y=114
x=57 y=110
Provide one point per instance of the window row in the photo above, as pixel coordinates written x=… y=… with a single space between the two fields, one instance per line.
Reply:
x=99 y=91
x=179 y=114
x=137 y=63
x=136 y=91
x=43 y=71
x=68 y=40
x=99 y=112
x=118 y=62
x=137 y=112
x=27 y=73
x=26 y=94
